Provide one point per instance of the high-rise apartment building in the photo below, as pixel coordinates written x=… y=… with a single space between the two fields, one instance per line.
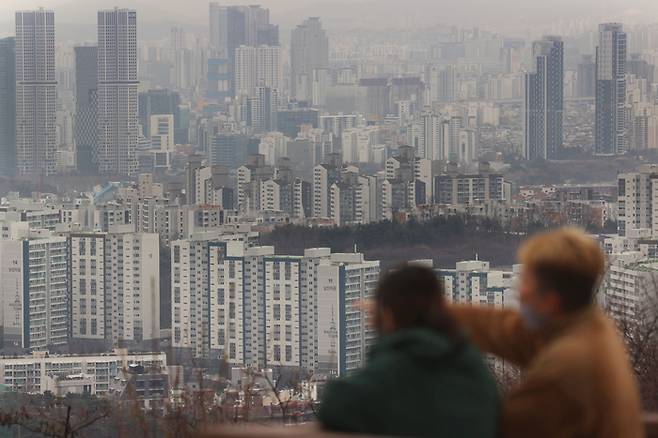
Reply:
x=115 y=286
x=36 y=93
x=343 y=331
x=254 y=308
x=637 y=196
x=132 y=285
x=117 y=96
x=257 y=67
x=309 y=51
x=87 y=285
x=262 y=109
x=34 y=284
x=7 y=106
x=430 y=144
x=86 y=124
x=235 y=26
x=543 y=101
x=609 y=118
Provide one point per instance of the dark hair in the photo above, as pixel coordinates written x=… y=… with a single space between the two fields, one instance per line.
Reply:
x=415 y=297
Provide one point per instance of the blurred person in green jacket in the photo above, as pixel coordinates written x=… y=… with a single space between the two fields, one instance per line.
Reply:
x=422 y=377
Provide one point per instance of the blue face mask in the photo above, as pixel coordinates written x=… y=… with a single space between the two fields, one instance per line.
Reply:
x=532 y=319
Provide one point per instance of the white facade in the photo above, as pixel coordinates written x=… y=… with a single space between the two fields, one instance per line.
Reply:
x=31 y=373
x=189 y=301
x=132 y=272
x=34 y=284
x=637 y=193
x=343 y=331
x=628 y=286
x=254 y=308
x=87 y=288
x=257 y=67
x=161 y=129
x=320 y=191
x=474 y=282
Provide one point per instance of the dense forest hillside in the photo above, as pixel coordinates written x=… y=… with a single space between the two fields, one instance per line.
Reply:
x=444 y=240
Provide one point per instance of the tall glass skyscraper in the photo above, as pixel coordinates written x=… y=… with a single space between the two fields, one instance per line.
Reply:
x=609 y=119
x=118 y=125
x=309 y=50
x=7 y=106
x=36 y=93
x=86 y=125
x=235 y=26
x=544 y=101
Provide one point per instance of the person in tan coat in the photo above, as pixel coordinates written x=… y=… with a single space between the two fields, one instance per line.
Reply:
x=576 y=378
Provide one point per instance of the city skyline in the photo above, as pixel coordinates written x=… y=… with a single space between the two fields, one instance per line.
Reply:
x=222 y=184
x=290 y=12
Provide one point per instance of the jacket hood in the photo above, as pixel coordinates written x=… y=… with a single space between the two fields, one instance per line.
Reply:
x=422 y=344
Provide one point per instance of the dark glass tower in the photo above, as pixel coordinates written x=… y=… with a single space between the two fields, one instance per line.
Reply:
x=543 y=101
x=86 y=126
x=609 y=119
x=7 y=106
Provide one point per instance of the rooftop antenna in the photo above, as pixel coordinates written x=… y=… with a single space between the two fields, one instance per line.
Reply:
x=355 y=248
x=476 y=257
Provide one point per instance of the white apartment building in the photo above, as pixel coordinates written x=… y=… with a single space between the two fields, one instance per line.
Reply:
x=243 y=189
x=474 y=282
x=637 y=198
x=87 y=288
x=343 y=333
x=357 y=144
x=254 y=308
x=132 y=286
x=631 y=281
x=321 y=192
x=257 y=67
x=34 y=290
x=189 y=295
x=31 y=373
x=161 y=129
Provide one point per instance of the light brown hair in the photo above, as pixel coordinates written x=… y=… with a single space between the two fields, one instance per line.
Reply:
x=566 y=261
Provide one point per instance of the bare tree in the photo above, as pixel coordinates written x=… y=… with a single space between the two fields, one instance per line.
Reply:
x=639 y=328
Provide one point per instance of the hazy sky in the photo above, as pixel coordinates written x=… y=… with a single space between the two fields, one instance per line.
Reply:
x=504 y=15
